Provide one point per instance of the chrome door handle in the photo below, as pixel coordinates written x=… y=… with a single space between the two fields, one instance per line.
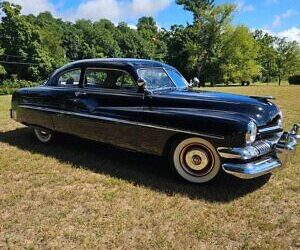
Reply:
x=80 y=94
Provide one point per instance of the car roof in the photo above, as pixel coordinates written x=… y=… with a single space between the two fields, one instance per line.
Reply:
x=130 y=65
x=133 y=62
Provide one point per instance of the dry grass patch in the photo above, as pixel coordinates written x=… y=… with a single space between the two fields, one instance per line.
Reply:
x=80 y=194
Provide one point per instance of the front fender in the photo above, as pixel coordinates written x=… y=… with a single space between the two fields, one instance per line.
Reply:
x=225 y=128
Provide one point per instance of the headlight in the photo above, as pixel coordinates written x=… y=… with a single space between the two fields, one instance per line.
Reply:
x=251 y=133
x=280 y=123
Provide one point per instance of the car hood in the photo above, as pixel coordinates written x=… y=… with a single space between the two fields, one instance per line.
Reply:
x=258 y=109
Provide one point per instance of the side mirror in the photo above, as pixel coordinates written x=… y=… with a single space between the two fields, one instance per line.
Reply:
x=141 y=84
x=194 y=82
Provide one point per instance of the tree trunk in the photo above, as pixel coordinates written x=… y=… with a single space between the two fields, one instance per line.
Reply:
x=279 y=80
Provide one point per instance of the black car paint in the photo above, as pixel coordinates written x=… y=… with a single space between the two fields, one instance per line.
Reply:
x=142 y=121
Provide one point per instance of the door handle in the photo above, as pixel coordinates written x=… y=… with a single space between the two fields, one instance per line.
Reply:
x=80 y=94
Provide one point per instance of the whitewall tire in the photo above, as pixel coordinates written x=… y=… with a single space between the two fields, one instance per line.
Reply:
x=195 y=160
x=43 y=136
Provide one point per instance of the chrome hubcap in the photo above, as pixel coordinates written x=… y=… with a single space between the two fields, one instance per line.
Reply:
x=196 y=159
x=44 y=134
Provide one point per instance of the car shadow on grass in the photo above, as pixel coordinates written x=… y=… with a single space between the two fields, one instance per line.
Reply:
x=139 y=169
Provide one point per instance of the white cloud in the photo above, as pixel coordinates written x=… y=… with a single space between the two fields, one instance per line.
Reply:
x=149 y=7
x=34 y=6
x=95 y=9
x=248 y=8
x=132 y=26
x=115 y=10
x=292 y=34
x=242 y=6
x=270 y=2
x=278 y=18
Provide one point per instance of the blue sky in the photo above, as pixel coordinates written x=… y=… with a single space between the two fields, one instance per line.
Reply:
x=280 y=17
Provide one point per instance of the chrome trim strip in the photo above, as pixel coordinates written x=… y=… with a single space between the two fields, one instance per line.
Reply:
x=268 y=129
x=119 y=120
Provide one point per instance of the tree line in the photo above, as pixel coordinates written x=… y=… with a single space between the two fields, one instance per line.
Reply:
x=211 y=47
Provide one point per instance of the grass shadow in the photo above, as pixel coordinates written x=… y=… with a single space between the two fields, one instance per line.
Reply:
x=140 y=169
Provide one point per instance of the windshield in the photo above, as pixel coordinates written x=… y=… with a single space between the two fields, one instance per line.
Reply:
x=157 y=78
x=177 y=78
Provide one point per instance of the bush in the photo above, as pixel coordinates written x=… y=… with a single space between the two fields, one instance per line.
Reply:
x=294 y=80
x=7 y=87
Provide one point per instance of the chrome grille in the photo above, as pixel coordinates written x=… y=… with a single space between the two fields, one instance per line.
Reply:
x=262 y=147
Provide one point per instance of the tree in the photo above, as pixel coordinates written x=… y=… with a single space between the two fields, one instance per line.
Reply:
x=51 y=34
x=288 y=58
x=148 y=24
x=76 y=48
x=2 y=69
x=196 y=7
x=100 y=37
x=267 y=55
x=129 y=41
x=240 y=52
x=153 y=44
x=22 y=40
x=210 y=21
x=180 y=52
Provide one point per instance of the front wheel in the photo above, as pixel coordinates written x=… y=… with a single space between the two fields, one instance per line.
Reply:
x=195 y=160
x=42 y=135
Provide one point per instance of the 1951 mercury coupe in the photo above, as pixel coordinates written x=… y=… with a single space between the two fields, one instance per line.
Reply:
x=148 y=106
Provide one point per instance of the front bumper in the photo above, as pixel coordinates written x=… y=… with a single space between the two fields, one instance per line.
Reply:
x=269 y=156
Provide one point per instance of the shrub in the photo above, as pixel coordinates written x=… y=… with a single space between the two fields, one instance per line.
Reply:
x=9 y=86
x=294 y=80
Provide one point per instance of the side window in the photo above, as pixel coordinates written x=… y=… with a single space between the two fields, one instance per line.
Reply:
x=128 y=82
x=70 y=78
x=95 y=78
x=108 y=79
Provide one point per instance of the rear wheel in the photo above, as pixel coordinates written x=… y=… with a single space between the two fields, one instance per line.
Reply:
x=195 y=160
x=42 y=135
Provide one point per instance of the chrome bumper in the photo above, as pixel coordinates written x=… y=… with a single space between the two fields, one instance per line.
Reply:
x=278 y=155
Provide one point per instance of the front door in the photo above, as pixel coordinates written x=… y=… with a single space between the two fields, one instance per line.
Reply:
x=63 y=99
x=107 y=107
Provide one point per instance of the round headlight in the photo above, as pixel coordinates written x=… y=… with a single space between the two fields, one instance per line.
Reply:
x=280 y=123
x=251 y=133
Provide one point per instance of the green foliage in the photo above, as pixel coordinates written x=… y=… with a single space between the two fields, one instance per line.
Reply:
x=181 y=50
x=267 y=55
x=240 y=51
x=205 y=37
x=278 y=57
x=196 y=7
x=294 y=80
x=2 y=69
x=20 y=38
x=210 y=48
x=7 y=87
x=288 y=58
x=153 y=44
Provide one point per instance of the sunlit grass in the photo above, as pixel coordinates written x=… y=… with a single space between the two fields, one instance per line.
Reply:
x=80 y=194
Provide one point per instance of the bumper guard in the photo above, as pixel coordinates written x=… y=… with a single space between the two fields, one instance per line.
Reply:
x=284 y=149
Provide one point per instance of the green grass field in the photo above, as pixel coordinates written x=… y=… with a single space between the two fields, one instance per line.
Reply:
x=80 y=194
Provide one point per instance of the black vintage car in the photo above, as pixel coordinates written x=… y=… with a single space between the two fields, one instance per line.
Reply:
x=148 y=106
